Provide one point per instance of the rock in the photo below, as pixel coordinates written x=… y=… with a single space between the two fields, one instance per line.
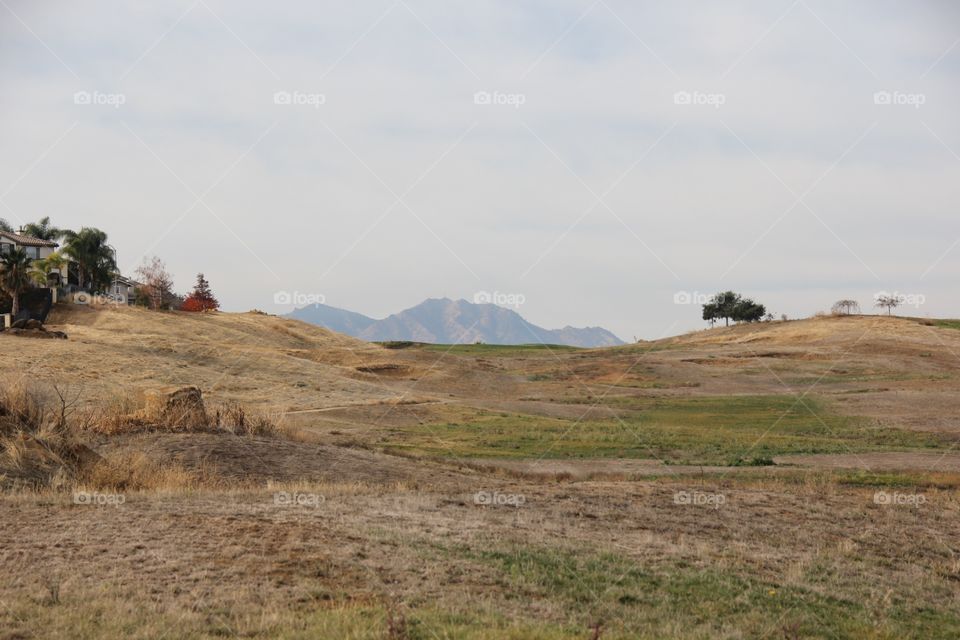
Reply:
x=38 y=333
x=180 y=409
x=33 y=324
x=19 y=324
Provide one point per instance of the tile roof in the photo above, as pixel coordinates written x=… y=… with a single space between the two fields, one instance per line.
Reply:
x=27 y=241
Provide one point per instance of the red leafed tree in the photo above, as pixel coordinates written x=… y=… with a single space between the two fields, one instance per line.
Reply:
x=201 y=298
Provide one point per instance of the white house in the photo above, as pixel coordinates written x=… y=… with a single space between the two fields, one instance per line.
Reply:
x=36 y=248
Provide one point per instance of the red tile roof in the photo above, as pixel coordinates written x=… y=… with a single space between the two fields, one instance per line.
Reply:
x=27 y=241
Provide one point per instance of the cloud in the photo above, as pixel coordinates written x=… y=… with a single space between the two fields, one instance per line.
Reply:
x=398 y=185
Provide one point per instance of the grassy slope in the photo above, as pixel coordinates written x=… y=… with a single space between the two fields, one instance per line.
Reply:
x=696 y=429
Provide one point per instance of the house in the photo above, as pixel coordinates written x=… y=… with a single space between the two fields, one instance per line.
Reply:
x=123 y=290
x=36 y=249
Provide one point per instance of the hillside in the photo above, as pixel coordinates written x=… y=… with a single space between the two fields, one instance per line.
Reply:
x=445 y=321
x=411 y=483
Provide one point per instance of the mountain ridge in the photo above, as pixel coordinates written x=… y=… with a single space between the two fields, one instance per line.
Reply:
x=446 y=321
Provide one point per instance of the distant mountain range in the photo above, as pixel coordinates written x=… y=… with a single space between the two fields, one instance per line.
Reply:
x=445 y=321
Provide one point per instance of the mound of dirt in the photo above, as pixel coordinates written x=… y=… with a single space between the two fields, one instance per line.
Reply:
x=268 y=459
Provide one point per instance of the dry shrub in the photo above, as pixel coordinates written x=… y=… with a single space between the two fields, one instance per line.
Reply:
x=37 y=449
x=136 y=471
x=180 y=412
x=43 y=436
x=234 y=418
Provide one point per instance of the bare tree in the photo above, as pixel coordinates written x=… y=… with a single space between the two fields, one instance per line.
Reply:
x=887 y=301
x=845 y=307
x=156 y=283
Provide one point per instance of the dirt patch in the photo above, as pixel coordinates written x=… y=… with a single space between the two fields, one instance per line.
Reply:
x=268 y=459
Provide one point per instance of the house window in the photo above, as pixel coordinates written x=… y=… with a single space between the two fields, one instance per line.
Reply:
x=5 y=248
x=33 y=252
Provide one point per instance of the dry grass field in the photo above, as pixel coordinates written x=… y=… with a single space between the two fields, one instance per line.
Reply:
x=778 y=480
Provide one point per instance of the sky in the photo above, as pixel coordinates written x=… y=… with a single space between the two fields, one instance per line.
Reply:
x=589 y=163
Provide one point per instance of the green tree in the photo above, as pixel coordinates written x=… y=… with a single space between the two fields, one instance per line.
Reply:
x=5 y=226
x=746 y=310
x=44 y=266
x=43 y=230
x=15 y=268
x=732 y=306
x=721 y=305
x=95 y=259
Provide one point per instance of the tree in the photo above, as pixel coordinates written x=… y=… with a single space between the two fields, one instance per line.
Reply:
x=887 y=301
x=95 y=259
x=732 y=306
x=43 y=230
x=44 y=266
x=5 y=226
x=746 y=310
x=845 y=307
x=711 y=313
x=15 y=268
x=156 y=284
x=721 y=305
x=201 y=298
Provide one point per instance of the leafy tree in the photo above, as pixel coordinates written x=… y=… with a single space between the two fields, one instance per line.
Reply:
x=15 y=268
x=156 y=288
x=845 y=307
x=711 y=312
x=887 y=301
x=746 y=310
x=43 y=230
x=95 y=259
x=721 y=305
x=201 y=298
x=5 y=226
x=44 y=266
x=732 y=306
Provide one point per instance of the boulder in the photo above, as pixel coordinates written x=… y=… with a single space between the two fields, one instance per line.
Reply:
x=182 y=408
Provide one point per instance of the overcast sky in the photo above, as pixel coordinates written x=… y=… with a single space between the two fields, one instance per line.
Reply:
x=342 y=149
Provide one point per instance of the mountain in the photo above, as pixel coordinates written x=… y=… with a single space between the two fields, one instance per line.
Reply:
x=445 y=321
x=339 y=320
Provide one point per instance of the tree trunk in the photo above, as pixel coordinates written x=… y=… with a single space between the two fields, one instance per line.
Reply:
x=15 y=309
x=727 y=321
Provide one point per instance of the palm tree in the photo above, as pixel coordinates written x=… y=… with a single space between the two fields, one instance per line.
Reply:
x=15 y=267
x=45 y=266
x=43 y=230
x=95 y=259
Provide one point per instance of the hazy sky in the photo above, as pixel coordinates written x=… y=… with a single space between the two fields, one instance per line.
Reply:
x=378 y=177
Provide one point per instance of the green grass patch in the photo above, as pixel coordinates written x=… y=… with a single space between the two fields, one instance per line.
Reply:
x=915 y=480
x=947 y=324
x=715 y=430
x=677 y=599
x=498 y=349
